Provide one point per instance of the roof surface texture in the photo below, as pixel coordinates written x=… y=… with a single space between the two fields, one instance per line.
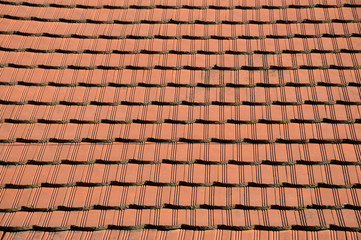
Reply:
x=180 y=119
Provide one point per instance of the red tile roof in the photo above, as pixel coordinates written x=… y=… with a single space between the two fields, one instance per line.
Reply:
x=180 y=119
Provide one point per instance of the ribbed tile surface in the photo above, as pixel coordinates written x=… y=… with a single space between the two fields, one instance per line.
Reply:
x=182 y=119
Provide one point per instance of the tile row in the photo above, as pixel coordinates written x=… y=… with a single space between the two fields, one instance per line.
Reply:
x=201 y=154
x=185 y=4
x=159 y=14
x=247 y=3
x=175 y=61
x=183 y=197
x=166 y=30
x=140 y=95
x=265 y=46
x=167 y=219
x=183 y=78
x=185 y=234
x=259 y=133
x=183 y=115
x=192 y=175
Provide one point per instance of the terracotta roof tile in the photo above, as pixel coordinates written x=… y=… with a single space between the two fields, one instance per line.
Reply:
x=180 y=119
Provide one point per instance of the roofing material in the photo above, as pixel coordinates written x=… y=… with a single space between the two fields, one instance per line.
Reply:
x=180 y=119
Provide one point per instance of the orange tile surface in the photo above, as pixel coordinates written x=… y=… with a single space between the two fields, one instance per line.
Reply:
x=184 y=119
